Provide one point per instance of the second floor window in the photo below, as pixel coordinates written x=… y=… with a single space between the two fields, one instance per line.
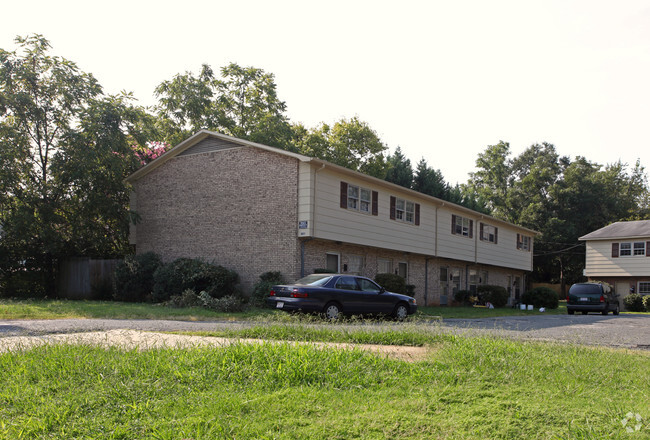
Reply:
x=524 y=242
x=462 y=226
x=489 y=233
x=358 y=198
x=632 y=249
x=404 y=211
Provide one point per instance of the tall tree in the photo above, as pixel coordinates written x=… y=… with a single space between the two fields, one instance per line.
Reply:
x=64 y=151
x=351 y=143
x=243 y=103
x=399 y=169
x=430 y=181
x=490 y=182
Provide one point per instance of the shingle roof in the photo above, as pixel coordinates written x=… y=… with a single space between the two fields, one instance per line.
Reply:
x=633 y=229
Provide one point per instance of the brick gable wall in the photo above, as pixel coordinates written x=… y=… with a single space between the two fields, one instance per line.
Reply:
x=235 y=207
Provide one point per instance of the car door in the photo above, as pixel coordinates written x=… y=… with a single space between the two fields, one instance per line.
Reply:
x=374 y=300
x=349 y=294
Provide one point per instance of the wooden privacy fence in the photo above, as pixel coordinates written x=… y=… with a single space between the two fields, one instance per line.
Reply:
x=86 y=278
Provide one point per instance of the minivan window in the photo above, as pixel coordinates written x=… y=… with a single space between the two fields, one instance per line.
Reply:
x=585 y=289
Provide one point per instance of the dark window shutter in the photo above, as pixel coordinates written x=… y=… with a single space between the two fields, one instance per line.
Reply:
x=647 y=248
x=518 y=241
x=480 y=235
x=453 y=224
x=417 y=214
x=614 y=250
x=471 y=228
x=375 y=203
x=392 y=207
x=344 y=195
x=496 y=235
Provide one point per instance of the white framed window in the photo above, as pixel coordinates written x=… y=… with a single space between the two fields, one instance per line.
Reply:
x=384 y=266
x=632 y=249
x=355 y=264
x=524 y=242
x=359 y=198
x=462 y=226
x=644 y=288
x=489 y=233
x=404 y=210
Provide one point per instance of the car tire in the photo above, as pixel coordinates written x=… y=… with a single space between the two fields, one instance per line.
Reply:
x=332 y=311
x=617 y=310
x=605 y=312
x=401 y=312
x=570 y=312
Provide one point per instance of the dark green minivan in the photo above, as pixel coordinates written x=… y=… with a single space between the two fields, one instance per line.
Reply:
x=592 y=297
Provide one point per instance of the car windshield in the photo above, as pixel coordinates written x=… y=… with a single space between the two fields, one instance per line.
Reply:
x=585 y=289
x=314 y=280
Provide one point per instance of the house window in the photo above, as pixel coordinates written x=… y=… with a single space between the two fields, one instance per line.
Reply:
x=489 y=233
x=358 y=198
x=384 y=266
x=629 y=249
x=355 y=264
x=454 y=277
x=523 y=242
x=644 y=288
x=462 y=226
x=404 y=211
x=473 y=280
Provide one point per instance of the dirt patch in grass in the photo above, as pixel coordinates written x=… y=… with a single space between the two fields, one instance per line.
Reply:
x=134 y=339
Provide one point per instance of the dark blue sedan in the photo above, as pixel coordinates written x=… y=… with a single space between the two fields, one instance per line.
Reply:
x=334 y=294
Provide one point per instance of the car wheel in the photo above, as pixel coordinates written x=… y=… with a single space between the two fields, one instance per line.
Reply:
x=401 y=312
x=332 y=311
x=605 y=312
x=617 y=310
x=570 y=312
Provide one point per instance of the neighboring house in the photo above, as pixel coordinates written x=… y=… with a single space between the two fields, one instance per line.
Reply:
x=254 y=208
x=619 y=254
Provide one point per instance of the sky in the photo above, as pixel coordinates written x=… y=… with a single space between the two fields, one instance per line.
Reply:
x=440 y=79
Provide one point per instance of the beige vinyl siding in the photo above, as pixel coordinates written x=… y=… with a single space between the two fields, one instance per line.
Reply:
x=332 y=222
x=454 y=246
x=306 y=182
x=505 y=252
x=599 y=261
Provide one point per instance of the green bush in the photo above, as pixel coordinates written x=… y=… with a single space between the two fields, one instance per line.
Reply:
x=263 y=287
x=496 y=295
x=186 y=299
x=134 y=277
x=634 y=303
x=646 y=302
x=227 y=304
x=462 y=296
x=541 y=297
x=197 y=275
x=391 y=282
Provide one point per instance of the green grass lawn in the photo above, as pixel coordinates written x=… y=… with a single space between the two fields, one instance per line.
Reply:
x=467 y=388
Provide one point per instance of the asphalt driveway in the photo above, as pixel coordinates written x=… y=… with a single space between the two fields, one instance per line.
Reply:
x=623 y=331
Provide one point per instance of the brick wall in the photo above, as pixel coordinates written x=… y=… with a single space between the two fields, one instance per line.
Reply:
x=237 y=208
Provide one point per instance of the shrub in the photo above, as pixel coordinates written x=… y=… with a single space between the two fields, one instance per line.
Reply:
x=134 y=277
x=541 y=297
x=496 y=295
x=462 y=296
x=323 y=271
x=634 y=303
x=228 y=303
x=186 y=299
x=391 y=282
x=263 y=287
x=197 y=275
x=646 y=303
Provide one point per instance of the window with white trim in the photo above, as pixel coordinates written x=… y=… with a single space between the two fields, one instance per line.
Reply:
x=355 y=264
x=384 y=266
x=524 y=242
x=644 y=287
x=404 y=210
x=359 y=198
x=462 y=226
x=632 y=249
x=488 y=233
